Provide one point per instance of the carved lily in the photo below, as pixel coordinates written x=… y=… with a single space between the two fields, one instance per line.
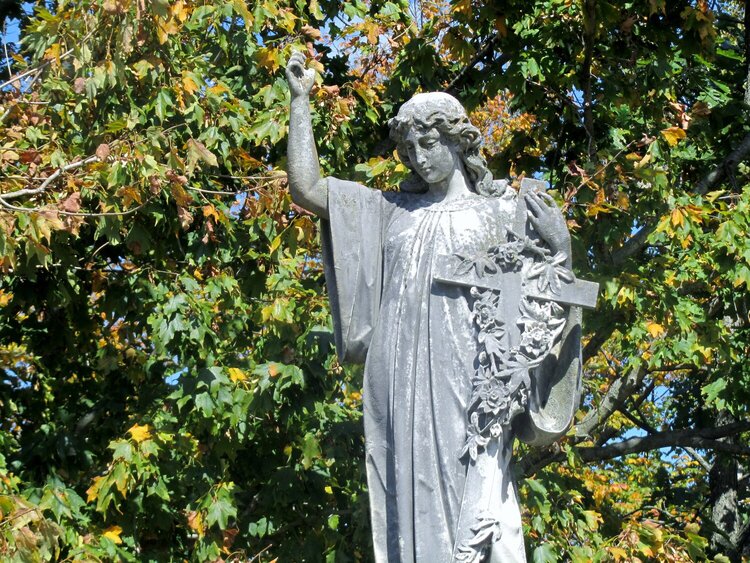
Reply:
x=474 y=440
x=549 y=273
x=482 y=264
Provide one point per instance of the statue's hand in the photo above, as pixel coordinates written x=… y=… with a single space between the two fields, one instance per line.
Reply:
x=548 y=221
x=300 y=79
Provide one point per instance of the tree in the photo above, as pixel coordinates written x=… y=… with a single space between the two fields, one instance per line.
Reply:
x=169 y=388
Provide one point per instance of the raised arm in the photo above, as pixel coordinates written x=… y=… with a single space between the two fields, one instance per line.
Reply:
x=303 y=168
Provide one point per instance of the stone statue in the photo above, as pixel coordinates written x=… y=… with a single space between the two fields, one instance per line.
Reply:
x=457 y=294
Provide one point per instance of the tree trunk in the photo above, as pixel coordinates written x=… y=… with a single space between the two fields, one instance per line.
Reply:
x=723 y=483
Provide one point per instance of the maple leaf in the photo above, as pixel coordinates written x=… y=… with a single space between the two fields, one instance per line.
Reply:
x=140 y=433
x=673 y=135
x=113 y=533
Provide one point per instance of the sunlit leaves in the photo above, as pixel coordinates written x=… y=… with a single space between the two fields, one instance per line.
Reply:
x=172 y=365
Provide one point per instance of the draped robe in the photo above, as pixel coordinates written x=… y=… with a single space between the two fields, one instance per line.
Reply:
x=420 y=350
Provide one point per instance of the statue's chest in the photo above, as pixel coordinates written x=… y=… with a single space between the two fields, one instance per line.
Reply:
x=415 y=236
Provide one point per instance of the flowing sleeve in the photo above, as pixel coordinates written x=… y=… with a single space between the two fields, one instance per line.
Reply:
x=352 y=260
x=556 y=392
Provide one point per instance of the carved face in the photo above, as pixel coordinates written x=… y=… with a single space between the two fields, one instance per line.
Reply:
x=432 y=156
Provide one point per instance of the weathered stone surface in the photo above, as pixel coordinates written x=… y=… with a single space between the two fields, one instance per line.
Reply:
x=457 y=294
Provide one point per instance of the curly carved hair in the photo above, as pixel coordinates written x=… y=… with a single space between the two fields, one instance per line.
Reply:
x=445 y=113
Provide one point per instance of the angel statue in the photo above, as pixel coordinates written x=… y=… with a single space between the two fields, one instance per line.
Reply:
x=456 y=293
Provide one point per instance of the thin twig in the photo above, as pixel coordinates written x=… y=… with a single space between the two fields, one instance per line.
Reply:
x=605 y=166
x=45 y=64
x=217 y=192
x=51 y=178
x=50 y=210
x=261 y=552
x=5 y=47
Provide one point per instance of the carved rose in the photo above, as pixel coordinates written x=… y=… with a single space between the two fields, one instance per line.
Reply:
x=494 y=396
x=536 y=337
x=508 y=255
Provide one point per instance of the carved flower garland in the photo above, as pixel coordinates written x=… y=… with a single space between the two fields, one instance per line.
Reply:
x=503 y=378
x=502 y=381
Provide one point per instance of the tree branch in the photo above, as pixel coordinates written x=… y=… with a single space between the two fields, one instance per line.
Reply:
x=615 y=397
x=634 y=244
x=589 y=24
x=45 y=64
x=5 y=205
x=51 y=178
x=702 y=438
x=747 y=54
x=598 y=339
x=726 y=167
x=480 y=55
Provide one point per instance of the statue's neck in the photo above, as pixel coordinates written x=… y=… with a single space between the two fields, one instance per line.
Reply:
x=453 y=187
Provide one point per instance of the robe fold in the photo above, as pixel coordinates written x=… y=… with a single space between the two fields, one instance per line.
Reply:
x=419 y=346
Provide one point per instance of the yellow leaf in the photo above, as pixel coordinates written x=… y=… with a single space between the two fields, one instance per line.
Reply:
x=113 y=533
x=93 y=491
x=166 y=28
x=677 y=217
x=195 y=522
x=122 y=483
x=275 y=243
x=618 y=553
x=237 y=375
x=240 y=7
x=673 y=135
x=139 y=433
x=180 y=10
x=210 y=211
x=5 y=298
x=463 y=6
x=129 y=194
x=269 y=59
x=654 y=329
x=218 y=89
x=623 y=202
x=188 y=84
x=329 y=490
x=643 y=162
x=53 y=53
x=373 y=32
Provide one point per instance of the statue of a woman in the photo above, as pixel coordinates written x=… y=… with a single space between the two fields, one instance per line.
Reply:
x=444 y=376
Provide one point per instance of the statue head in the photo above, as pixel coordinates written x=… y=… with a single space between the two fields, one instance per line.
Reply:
x=437 y=111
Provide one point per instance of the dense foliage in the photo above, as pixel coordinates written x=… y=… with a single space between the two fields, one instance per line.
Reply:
x=168 y=386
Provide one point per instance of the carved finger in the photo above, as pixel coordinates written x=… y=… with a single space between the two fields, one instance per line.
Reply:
x=534 y=205
x=545 y=196
x=539 y=199
x=548 y=199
